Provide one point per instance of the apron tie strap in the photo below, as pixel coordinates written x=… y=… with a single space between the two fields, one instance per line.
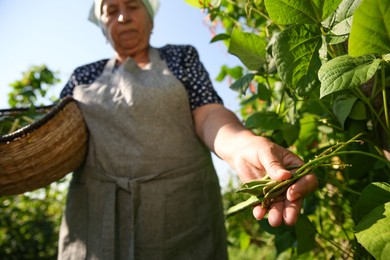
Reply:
x=113 y=183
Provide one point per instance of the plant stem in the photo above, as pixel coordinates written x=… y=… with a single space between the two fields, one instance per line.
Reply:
x=385 y=97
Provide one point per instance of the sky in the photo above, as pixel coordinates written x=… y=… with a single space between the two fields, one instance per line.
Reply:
x=57 y=33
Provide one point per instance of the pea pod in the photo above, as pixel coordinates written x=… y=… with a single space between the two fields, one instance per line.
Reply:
x=251 y=202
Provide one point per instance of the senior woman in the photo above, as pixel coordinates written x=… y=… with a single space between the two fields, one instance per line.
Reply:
x=148 y=189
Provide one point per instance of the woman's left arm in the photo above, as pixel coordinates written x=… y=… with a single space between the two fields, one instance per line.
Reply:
x=253 y=156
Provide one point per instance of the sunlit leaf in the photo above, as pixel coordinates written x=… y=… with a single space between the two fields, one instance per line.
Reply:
x=341 y=20
x=373 y=195
x=308 y=132
x=249 y=48
x=300 y=12
x=373 y=231
x=346 y=72
x=204 y=3
x=296 y=52
x=370 y=28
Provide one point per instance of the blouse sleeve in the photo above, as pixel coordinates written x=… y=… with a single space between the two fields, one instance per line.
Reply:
x=85 y=74
x=199 y=85
x=184 y=62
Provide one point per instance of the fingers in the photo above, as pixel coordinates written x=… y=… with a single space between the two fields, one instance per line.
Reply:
x=275 y=214
x=305 y=185
x=280 y=212
x=287 y=211
x=259 y=212
x=291 y=211
x=275 y=158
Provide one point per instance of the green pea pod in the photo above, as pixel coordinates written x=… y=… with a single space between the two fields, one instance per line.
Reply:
x=255 y=190
x=28 y=119
x=270 y=185
x=249 y=203
x=15 y=125
x=282 y=185
x=263 y=180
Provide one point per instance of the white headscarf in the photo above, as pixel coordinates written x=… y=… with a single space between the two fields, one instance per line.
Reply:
x=95 y=12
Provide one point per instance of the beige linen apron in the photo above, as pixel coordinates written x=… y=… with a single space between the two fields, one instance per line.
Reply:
x=148 y=189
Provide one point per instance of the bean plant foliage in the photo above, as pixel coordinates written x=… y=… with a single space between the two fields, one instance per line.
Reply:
x=315 y=77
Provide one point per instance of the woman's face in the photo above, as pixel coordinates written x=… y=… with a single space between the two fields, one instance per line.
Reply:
x=128 y=26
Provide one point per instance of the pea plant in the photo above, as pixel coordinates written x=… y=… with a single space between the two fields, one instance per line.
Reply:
x=315 y=77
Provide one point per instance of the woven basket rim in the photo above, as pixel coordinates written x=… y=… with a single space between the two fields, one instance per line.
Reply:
x=53 y=110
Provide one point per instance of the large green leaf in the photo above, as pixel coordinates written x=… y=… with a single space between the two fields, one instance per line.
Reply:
x=264 y=120
x=373 y=195
x=346 y=72
x=373 y=232
x=249 y=48
x=296 y=52
x=300 y=12
x=370 y=28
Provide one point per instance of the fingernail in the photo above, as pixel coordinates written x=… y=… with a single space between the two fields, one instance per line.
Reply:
x=294 y=195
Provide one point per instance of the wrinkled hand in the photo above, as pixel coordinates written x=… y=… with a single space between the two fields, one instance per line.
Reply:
x=259 y=156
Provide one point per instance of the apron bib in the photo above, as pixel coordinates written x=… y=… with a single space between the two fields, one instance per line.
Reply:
x=148 y=189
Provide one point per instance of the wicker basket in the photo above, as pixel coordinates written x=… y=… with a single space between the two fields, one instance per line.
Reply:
x=44 y=151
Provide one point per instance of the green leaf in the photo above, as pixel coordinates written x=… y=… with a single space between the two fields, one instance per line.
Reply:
x=263 y=93
x=346 y=72
x=370 y=28
x=284 y=242
x=305 y=234
x=290 y=133
x=235 y=72
x=242 y=84
x=249 y=48
x=373 y=231
x=300 y=12
x=341 y=20
x=296 y=52
x=342 y=107
x=220 y=37
x=204 y=3
x=373 y=195
x=264 y=120
x=359 y=111
x=245 y=240
x=308 y=132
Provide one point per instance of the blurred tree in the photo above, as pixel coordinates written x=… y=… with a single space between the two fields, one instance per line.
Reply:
x=29 y=223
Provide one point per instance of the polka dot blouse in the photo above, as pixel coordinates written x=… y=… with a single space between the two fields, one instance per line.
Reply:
x=182 y=60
